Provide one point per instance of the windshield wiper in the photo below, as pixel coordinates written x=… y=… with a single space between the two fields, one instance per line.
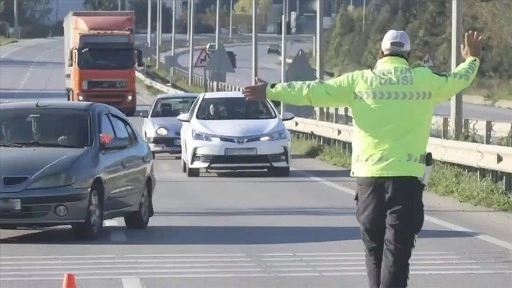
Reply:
x=10 y=145
x=41 y=144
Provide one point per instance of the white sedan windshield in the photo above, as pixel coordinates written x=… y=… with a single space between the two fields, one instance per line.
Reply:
x=231 y=108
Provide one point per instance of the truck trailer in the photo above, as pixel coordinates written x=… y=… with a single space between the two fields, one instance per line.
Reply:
x=101 y=58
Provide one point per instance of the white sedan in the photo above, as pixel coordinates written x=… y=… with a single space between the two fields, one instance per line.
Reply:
x=160 y=128
x=224 y=131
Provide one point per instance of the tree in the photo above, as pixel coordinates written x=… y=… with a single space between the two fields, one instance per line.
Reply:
x=29 y=11
x=100 y=5
x=245 y=7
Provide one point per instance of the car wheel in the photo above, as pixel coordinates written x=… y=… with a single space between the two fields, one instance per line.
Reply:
x=140 y=218
x=93 y=225
x=192 y=172
x=154 y=155
x=280 y=171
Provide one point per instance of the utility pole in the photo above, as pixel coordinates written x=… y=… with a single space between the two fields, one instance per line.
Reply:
x=16 y=34
x=319 y=47
x=230 y=18
x=191 y=54
x=118 y=5
x=158 y=32
x=149 y=22
x=284 y=19
x=217 y=28
x=254 y=41
x=456 y=101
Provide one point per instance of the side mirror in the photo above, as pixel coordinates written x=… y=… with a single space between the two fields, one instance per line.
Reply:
x=144 y=114
x=108 y=142
x=183 y=117
x=288 y=116
x=140 y=62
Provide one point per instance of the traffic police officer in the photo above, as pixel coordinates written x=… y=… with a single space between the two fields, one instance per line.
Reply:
x=392 y=106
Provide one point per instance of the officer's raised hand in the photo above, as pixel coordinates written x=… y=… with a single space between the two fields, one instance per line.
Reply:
x=472 y=46
x=257 y=91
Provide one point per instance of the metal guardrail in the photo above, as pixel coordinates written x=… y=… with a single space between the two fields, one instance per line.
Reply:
x=480 y=156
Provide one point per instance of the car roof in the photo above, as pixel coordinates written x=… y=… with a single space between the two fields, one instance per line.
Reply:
x=42 y=104
x=176 y=95
x=224 y=94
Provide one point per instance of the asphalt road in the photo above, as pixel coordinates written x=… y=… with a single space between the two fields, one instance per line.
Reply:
x=269 y=69
x=241 y=230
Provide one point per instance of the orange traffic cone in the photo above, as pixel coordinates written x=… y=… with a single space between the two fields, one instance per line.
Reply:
x=69 y=281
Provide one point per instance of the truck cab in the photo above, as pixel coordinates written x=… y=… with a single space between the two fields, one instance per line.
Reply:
x=101 y=58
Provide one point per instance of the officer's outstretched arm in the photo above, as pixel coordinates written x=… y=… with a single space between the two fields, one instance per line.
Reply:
x=337 y=92
x=448 y=84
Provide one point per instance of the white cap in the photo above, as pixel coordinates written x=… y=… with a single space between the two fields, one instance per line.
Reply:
x=396 y=41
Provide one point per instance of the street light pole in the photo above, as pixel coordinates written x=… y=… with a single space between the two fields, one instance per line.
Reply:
x=217 y=28
x=284 y=19
x=319 y=47
x=149 y=22
x=158 y=33
x=456 y=101
x=16 y=34
x=189 y=2
x=254 y=41
x=230 y=18
x=191 y=53
x=173 y=33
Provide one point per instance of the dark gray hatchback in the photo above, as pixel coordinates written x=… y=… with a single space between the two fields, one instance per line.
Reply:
x=72 y=163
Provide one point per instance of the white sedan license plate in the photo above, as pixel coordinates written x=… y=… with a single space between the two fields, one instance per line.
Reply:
x=10 y=204
x=240 y=151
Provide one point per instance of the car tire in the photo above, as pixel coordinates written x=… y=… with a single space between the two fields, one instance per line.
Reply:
x=154 y=155
x=280 y=171
x=140 y=218
x=91 y=228
x=192 y=172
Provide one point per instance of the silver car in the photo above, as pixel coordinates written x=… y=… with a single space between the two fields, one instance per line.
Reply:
x=161 y=129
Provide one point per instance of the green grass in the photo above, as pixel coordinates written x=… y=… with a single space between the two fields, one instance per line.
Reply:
x=5 y=41
x=446 y=180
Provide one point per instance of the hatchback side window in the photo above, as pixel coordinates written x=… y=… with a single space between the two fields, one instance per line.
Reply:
x=119 y=127
x=106 y=125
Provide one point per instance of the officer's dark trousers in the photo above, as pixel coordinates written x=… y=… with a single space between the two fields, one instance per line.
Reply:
x=390 y=213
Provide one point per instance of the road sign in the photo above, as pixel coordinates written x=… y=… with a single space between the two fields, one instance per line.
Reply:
x=220 y=62
x=427 y=60
x=300 y=69
x=202 y=59
x=170 y=61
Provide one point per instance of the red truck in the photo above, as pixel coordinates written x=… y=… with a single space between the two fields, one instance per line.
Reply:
x=101 y=58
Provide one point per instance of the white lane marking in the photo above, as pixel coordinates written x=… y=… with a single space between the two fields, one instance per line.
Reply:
x=445 y=224
x=69 y=267
x=115 y=235
x=132 y=283
x=237 y=275
x=205 y=254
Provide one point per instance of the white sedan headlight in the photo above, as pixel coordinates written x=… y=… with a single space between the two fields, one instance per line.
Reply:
x=279 y=135
x=52 y=181
x=161 y=131
x=203 y=137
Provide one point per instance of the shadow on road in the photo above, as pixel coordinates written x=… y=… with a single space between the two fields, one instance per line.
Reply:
x=216 y=235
